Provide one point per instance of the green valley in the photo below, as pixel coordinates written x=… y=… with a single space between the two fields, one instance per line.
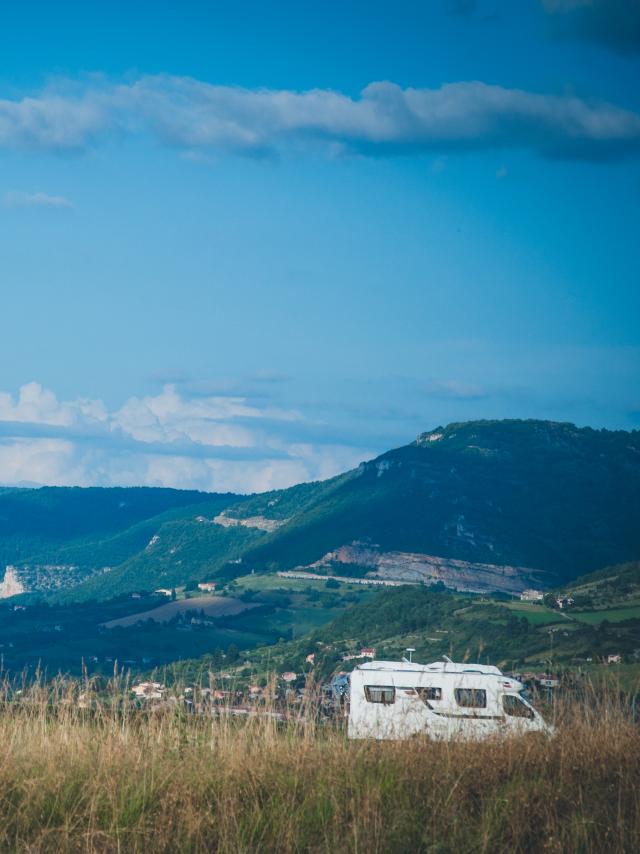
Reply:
x=468 y=516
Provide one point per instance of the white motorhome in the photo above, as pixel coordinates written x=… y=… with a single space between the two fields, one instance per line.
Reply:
x=443 y=700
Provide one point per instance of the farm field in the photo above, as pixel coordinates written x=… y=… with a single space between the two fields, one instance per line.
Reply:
x=262 y=582
x=151 y=632
x=211 y=606
x=537 y=615
x=613 y=615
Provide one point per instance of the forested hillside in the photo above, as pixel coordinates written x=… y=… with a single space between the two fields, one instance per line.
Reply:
x=466 y=628
x=481 y=505
x=84 y=530
x=528 y=493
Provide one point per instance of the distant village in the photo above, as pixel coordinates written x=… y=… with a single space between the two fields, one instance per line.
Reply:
x=289 y=687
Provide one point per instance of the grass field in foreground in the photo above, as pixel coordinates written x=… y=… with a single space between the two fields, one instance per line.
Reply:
x=109 y=779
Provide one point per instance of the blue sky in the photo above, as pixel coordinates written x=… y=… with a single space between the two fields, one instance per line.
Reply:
x=243 y=245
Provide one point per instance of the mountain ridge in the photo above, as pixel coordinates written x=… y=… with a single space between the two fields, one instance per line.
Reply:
x=546 y=497
x=480 y=495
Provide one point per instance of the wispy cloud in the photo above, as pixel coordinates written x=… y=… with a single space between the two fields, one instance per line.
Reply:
x=16 y=199
x=385 y=120
x=216 y=442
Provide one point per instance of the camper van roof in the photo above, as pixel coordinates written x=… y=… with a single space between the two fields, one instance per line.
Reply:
x=435 y=667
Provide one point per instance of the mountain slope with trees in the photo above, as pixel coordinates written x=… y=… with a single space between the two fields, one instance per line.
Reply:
x=541 y=495
x=528 y=493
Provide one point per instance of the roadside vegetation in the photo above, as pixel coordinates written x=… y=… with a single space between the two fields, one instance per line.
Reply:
x=86 y=771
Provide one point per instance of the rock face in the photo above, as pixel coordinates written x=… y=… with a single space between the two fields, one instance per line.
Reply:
x=259 y=522
x=423 y=568
x=41 y=578
x=11 y=585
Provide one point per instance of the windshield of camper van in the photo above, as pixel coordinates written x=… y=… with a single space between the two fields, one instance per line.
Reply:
x=515 y=707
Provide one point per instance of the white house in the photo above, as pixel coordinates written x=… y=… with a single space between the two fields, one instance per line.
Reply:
x=149 y=690
x=532 y=596
x=365 y=652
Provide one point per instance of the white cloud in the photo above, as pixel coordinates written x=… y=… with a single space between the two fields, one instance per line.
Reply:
x=169 y=416
x=198 y=117
x=41 y=461
x=211 y=442
x=17 y=199
x=53 y=121
x=37 y=405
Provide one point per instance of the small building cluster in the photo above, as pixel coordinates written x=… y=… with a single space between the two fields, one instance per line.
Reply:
x=539 y=597
x=532 y=596
x=207 y=586
x=366 y=652
x=149 y=691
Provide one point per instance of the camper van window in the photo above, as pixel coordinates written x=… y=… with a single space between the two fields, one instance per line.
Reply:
x=380 y=694
x=515 y=707
x=431 y=693
x=471 y=698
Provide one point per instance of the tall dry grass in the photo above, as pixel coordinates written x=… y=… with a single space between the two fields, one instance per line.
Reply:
x=109 y=778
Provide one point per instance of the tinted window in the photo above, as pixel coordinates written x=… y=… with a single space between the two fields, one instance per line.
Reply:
x=380 y=694
x=430 y=693
x=514 y=707
x=471 y=698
